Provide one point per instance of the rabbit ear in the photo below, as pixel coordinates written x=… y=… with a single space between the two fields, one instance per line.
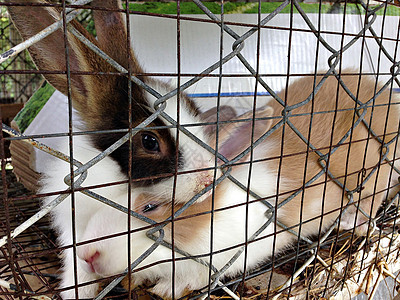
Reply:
x=112 y=34
x=226 y=113
x=236 y=137
x=94 y=96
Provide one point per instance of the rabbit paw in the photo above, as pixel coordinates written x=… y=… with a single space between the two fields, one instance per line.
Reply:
x=360 y=226
x=163 y=288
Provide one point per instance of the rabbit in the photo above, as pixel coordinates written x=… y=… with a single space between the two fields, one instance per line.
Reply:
x=234 y=211
x=102 y=103
x=101 y=100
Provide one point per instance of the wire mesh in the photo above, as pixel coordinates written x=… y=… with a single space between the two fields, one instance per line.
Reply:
x=314 y=259
x=15 y=87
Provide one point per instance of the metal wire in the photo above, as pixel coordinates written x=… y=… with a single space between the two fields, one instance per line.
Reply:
x=156 y=233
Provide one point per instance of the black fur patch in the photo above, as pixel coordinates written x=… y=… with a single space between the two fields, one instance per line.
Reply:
x=115 y=115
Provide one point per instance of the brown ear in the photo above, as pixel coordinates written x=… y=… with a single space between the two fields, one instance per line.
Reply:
x=111 y=30
x=236 y=137
x=49 y=55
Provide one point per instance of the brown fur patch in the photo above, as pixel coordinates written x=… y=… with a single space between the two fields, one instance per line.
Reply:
x=188 y=225
x=347 y=162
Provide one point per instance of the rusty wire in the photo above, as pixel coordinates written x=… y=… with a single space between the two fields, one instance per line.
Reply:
x=237 y=47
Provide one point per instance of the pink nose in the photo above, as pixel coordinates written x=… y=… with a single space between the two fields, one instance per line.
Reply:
x=91 y=260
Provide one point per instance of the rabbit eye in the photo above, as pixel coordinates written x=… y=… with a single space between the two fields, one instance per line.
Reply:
x=149 y=207
x=150 y=143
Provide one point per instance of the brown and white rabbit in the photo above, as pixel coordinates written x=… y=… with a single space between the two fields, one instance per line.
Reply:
x=318 y=205
x=103 y=104
x=100 y=97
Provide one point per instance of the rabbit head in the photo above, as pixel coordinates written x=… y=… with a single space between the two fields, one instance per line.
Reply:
x=108 y=101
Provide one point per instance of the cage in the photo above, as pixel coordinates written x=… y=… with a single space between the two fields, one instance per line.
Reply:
x=15 y=88
x=201 y=149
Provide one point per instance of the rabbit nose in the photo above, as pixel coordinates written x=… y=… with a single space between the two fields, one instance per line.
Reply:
x=90 y=259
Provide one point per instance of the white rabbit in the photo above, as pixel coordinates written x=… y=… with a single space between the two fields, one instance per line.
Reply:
x=279 y=165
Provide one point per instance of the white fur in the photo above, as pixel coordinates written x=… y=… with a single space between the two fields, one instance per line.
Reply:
x=90 y=214
x=228 y=231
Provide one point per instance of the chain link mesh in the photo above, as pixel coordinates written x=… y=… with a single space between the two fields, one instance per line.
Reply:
x=310 y=247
